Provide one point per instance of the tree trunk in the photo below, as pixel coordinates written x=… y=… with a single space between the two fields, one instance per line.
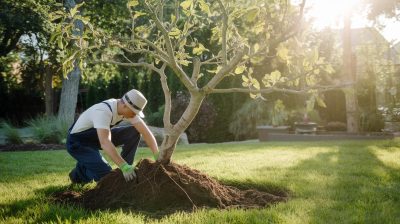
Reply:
x=70 y=85
x=69 y=96
x=48 y=91
x=349 y=76
x=172 y=134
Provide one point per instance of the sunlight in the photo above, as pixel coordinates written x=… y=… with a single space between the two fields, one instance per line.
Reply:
x=327 y=13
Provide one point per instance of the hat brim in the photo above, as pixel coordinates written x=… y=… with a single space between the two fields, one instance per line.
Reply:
x=141 y=114
x=137 y=112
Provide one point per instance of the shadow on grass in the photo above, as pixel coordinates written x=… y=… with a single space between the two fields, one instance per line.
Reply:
x=41 y=208
x=348 y=185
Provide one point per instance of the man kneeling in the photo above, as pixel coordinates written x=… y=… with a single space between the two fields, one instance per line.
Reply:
x=94 y=131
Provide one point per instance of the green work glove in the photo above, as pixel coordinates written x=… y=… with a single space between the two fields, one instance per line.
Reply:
x=155 y=156
x=128 y=171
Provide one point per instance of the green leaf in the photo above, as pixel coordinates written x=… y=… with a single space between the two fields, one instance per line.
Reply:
x=184 y=62
x=175 y=32
x=173 y=18
x=199 y=50
x=275 y=77
x=186 y=4
x=132 y=3
x=283 y=52
x=240 y=69
x=204 y=7
x=251 y=14
x=329 y=69
x=255 y=83
x=73 y=11
x=60 y=43
x=138 y=14
x=320 y=102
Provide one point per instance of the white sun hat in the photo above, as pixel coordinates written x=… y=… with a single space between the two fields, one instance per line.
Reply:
x=135 y=101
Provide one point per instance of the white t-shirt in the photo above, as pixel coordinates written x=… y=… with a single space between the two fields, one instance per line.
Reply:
x=100 y=116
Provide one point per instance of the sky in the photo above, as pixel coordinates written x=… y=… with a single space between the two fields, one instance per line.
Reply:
x=329 y=13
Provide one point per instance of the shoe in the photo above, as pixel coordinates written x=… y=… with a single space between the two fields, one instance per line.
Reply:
x=73 y=179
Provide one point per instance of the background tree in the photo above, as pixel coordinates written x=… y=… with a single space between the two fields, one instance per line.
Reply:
x=70 y=85
x=28 y=61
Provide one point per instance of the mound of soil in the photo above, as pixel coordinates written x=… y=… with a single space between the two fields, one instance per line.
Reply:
x=30 y=147
x=166 y=187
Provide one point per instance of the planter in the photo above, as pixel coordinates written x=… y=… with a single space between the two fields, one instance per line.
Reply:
x=305 y=127
x=265 y=131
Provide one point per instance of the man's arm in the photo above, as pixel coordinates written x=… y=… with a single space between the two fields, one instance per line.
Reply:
x=108 y=147
x=147 y=136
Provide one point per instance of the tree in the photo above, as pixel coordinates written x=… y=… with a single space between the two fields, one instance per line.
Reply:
x=70 y=85
x=16 y=19
x=25 y=31
x=162 y=35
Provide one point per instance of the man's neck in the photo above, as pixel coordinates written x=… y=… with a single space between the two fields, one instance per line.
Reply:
x=119 y=106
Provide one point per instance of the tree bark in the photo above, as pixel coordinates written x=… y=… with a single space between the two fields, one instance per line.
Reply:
x=172 y=134
x=70 y=85
x=48 y=91
x=69 y=96
x=349 y=75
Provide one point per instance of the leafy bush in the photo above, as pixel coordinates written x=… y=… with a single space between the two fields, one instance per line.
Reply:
x=371 y=121
x=245 y=120
x=48 y=130
x=336 y=126
x=278 y=114
x=11 y=133
x=156 y=119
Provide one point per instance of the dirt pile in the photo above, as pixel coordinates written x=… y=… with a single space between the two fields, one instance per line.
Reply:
x=167 y=187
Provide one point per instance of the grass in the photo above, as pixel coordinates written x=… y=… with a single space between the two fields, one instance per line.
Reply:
x=329 y=182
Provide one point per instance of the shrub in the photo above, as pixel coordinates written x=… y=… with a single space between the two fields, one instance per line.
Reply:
x=244 y=121
x=278 y=114
x=11 y=133
x=371 y=121
x=48 y=129
x=336 y=126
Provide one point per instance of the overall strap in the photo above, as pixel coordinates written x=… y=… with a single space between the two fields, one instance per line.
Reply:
x=111 y=112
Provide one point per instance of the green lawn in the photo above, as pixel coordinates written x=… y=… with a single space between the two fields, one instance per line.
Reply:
x=329 y=182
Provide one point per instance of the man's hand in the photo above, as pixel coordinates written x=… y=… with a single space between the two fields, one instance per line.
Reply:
x=128 y=171
x=155 y=156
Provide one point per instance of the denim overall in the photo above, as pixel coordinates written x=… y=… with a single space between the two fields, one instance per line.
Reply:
x=84 y=147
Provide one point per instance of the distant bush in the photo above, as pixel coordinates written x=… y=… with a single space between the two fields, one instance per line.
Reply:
x=48 y=130
x=371 y=121
x=244 y=121
x=11 y=133
x=336 y=126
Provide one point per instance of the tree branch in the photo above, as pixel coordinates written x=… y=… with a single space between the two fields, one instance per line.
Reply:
x=155 y=47
x=196 y=70
x=293 y=30
x=225 y=70
x=282 y=90
x=183 y=77
x=128 y=64
x=167 y=97
x=224 y=32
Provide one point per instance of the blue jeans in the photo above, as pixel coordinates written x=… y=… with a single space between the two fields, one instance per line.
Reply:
x=84 y=147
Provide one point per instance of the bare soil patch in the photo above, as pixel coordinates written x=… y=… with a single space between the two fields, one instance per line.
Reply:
x=30 y=147
x=166 y=188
